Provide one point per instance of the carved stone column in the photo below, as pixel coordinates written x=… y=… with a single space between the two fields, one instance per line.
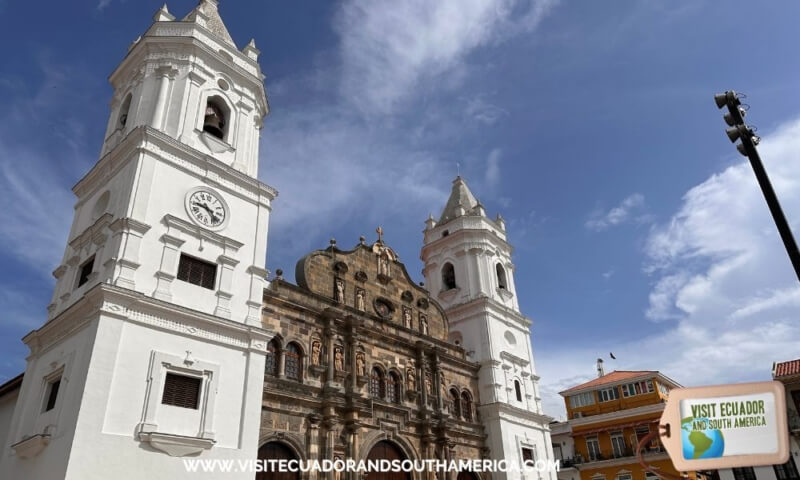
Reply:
x=330 y=439
x=313 y=442
x=421 y=375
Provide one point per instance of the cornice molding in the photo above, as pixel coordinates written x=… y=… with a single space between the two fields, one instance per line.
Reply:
x=167 y=149
x=128 y=305
x=504 y=411
x=620 y=414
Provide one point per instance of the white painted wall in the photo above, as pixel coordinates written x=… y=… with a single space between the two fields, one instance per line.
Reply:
x=7 y=404
x=116 y=336
x=491 y=329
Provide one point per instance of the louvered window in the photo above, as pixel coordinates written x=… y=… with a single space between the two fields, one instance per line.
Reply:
x=197 y=272
x=181 y=391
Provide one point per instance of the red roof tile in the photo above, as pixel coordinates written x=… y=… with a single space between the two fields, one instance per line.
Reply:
x=784 y=369
x=615 y=376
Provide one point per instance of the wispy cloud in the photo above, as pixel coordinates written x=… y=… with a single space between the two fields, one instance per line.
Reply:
x=33 y=188
x=723 y=286
x=618 y=215
x=380 y=141
x=391 y=50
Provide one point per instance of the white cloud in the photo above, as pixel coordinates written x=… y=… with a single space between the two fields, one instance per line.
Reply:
x=480 y=110
x=390 y=48
x=723 y=286
x=623 y=212
x=379 y=144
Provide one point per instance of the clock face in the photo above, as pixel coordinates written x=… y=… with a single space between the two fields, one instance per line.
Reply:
x=206 y=209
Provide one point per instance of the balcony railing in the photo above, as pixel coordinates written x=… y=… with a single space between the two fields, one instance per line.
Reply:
x=627 y=453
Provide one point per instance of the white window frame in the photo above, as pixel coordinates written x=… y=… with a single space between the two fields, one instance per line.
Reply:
x=615 y=438
x=162 y=363
x=582 y=399
x=608 y=394
x=597 y=451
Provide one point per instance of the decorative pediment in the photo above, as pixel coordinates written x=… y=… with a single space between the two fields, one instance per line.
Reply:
x=369 y=281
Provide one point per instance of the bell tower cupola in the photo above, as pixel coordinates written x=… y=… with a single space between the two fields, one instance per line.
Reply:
x=466 y=254
x=187 y=79
x=468 y=270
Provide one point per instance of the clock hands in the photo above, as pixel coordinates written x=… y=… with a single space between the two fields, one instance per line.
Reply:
x=211 y=213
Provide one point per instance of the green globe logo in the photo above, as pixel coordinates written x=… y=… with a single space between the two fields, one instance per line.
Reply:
x=701 y=443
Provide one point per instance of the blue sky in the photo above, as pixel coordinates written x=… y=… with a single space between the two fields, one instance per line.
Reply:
x=589 y=125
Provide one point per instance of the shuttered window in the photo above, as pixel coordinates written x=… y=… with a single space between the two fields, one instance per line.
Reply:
x=181 y=391
x=197 y=272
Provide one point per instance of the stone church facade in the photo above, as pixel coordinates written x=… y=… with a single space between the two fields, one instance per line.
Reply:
x=361 y=355
x=166 y=341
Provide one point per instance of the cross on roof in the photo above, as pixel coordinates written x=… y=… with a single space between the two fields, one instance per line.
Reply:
x=380 y=234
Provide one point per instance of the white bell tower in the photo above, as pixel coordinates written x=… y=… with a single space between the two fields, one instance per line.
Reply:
x=468 y=270
x=153 y=347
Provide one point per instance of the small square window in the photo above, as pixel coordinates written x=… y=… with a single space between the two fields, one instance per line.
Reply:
x=86 y=270
x=51 y=394
x=527 y=454
x=197 y=272
x=181 y=391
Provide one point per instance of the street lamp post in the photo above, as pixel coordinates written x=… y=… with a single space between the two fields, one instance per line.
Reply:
x=739 y=130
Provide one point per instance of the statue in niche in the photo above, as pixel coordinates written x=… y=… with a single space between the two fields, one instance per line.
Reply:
x=423 y=324
x=361 y=299
x=361 y=366
x=338 y=359
x=407 y=317
x=337 y=472
x=383 y=265
x=428 y=384
x=411 y=380
x=316 y=352
x=339 y=293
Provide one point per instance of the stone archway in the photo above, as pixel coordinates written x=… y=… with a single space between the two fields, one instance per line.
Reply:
x=465 y=475
x=387 y=450
x=277 y=451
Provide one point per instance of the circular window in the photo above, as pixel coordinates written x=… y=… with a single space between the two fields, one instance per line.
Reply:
x=223 y=84
x=510 y=338
x=383 y=308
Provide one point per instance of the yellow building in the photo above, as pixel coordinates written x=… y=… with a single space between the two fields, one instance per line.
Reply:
x=608 y=416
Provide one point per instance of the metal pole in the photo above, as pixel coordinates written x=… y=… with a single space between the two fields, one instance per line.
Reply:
x=772 y=203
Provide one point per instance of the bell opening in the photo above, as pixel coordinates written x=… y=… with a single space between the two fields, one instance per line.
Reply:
x=214 y=122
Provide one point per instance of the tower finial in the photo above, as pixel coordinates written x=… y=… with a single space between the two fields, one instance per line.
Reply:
x=379 y=230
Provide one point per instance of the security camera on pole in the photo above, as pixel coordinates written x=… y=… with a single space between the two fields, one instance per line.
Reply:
x=738 y=130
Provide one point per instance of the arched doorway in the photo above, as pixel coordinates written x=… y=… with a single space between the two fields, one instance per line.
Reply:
x=385 y=450
x=276 y=451
x=467 y=476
